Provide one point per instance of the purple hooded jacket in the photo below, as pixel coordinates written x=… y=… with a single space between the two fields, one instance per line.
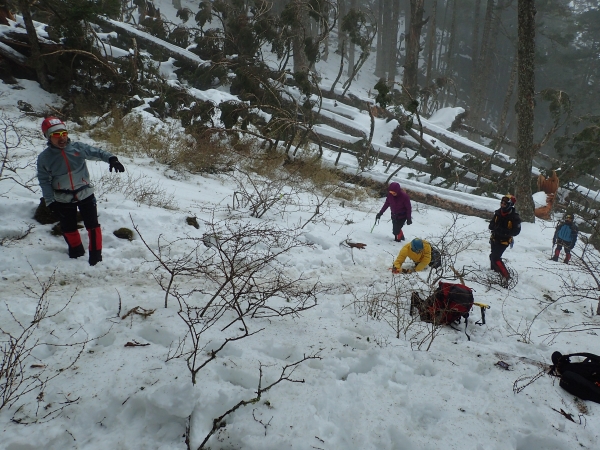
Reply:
x=399 y=204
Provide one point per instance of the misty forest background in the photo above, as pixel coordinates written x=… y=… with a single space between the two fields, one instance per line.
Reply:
x=526 y=73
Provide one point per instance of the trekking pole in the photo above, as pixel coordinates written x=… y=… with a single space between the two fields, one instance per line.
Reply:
x=376 y=222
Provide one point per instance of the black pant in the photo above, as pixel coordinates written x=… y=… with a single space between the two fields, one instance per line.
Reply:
x=497 y=251
x=397 y=224
x=68 y=214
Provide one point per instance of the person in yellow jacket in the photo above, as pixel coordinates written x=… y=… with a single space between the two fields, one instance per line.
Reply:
x=419 y=251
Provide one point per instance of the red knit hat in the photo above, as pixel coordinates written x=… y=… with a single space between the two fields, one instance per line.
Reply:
x=52 y=125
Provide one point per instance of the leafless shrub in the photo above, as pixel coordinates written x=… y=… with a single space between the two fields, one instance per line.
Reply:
x=21 y=373
x=138 y=187
x=284 y=191
x=451 y=242
x=285 y=375
x=234 y=275
x=580 y=283
x=13 y=164
x=391 y=305
x=7 y=241
x=260 y=194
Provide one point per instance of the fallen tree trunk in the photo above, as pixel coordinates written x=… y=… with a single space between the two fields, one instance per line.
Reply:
x=448 y=205
x=154 y=43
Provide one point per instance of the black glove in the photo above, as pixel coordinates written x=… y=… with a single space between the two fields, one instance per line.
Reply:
x=409 y=221
x=113 y=163
x=407 y=270
x=378 y=216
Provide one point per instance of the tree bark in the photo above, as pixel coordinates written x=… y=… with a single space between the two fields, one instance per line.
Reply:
x=450 y=51
x=300 y=31
x=413 y=48
x=392 y=58
x=482 y=57
x=475 y=44
x=380 y=55
x=525 y=108
x=351 y=46
x=430 y=53
x=35 y=61
x=442 y=37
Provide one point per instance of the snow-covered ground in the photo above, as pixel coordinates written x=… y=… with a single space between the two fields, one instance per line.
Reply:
x=368 y=389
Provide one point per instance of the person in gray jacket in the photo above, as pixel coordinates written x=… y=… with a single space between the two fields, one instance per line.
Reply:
x=65 y=181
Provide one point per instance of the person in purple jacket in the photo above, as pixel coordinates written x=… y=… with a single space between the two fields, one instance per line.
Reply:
x=399 y=203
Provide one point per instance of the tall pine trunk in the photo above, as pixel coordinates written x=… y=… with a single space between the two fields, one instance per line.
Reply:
x=450 y=52
x=301 y=30
x=525 y=108
x=480 y=67
x=475 y=43
x=413 y=48
x=392 y=59
x=381 y=26
x=430 y=52
x=439 y=67
x=35 y=61
x=351 y=46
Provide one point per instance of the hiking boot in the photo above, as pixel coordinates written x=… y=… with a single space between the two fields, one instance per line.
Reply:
x=554 y=258
x=76 y=252
x=95 y=257
x=399 y=237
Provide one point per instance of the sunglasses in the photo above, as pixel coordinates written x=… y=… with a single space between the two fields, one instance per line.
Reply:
x=58 y=134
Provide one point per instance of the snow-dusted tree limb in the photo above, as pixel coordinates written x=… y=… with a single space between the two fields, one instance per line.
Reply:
x=285 y=375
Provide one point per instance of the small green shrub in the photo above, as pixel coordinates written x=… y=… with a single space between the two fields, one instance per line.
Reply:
x=124 y=233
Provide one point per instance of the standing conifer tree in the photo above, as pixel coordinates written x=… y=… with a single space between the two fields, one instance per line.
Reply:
x=525 y=106
x=413 y=47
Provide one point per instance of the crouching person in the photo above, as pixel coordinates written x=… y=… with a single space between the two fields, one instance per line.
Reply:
x=419 y=251
x=65 y=181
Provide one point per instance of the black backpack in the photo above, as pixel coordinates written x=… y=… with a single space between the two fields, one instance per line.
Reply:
x=582 y=379
x=436 y=258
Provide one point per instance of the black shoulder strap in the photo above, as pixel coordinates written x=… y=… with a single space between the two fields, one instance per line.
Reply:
x=589 y=356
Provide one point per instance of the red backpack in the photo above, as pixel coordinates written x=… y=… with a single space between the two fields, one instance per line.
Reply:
x=446 y=305
x=451 y=302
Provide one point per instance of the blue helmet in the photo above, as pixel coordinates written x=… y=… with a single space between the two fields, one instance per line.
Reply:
x=416 y=245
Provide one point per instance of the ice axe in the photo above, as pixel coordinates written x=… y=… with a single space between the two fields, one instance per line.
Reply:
x=376 y=222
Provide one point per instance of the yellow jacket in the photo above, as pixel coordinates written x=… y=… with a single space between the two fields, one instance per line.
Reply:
x=421 y=259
